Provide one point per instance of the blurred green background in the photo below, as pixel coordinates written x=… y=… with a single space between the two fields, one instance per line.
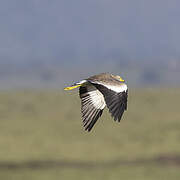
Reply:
x=46 y=45
x=41 y=137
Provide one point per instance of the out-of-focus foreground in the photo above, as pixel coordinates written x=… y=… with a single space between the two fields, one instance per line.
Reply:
x=41 y=137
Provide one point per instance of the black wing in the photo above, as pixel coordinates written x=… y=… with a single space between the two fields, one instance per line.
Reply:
x=115 y=101
x=92 y=105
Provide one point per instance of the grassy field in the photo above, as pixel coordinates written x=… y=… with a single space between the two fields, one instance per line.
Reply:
x=41 y=137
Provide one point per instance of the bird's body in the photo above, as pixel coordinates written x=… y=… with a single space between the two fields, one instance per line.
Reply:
x=100 y=91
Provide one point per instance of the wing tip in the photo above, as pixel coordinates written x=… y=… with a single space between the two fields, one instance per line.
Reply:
x=90 y=124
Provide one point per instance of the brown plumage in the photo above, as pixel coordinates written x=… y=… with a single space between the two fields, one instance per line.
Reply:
x=99 y=91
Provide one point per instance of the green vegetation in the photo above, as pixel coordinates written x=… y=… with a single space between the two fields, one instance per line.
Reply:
x=41 y=137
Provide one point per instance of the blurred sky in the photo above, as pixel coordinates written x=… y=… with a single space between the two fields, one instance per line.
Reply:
x=53 y=41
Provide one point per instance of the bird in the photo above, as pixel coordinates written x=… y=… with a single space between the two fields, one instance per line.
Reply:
x=99 y=91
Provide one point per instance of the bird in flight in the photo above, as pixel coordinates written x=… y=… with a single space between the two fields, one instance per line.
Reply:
x=99 y=91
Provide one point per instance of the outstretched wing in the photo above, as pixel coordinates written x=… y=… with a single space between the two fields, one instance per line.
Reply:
x=115 y=98
x=92 y=105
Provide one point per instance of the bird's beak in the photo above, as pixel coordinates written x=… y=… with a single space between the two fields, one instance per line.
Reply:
x=122 y=80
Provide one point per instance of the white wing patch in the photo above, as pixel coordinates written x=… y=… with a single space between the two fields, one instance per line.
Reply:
x=118 y=89
x=92 y=105
x=96 y=97
x=121 y=88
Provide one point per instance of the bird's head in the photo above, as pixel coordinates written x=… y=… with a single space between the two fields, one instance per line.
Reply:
x=119 y=78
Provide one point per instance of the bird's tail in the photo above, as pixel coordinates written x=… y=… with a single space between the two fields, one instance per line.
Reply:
x=78 y=84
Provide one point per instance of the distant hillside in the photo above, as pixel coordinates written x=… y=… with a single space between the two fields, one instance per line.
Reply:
x=56 y=75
